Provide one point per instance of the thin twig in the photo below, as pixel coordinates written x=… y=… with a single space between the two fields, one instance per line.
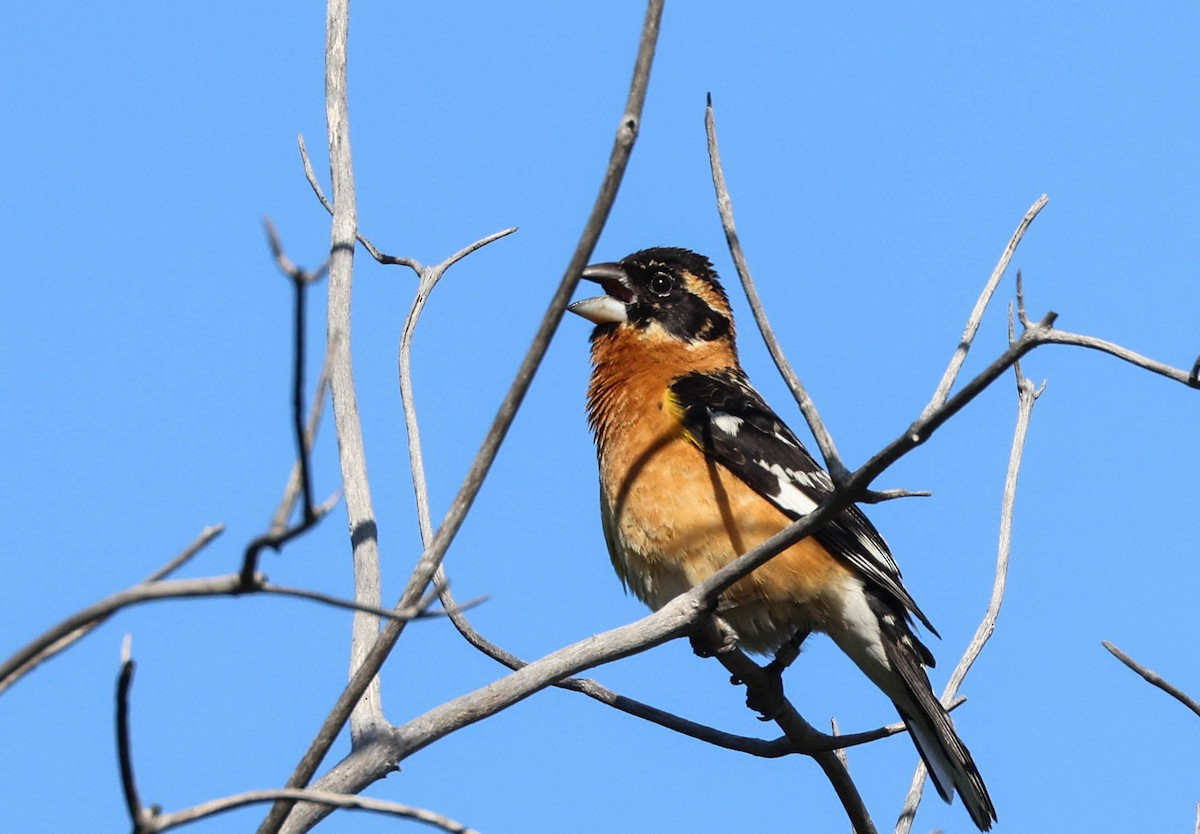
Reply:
x=370 y=664
x=417 y=612
x=300 y=279
x=429 y=279
x=276 y=539
x=311 y=176
x=166 y=822
x=1064 y=337
x=834 y=730
x=279 y=534
x=232 y=584
x=1153 y=678
x=973 y=321
x=60 y=637
x=292 y=490
x=137 y=813
x=1027 y=395
x=833 y=461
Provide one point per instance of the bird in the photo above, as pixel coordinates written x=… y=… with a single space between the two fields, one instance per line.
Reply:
x=696 y=469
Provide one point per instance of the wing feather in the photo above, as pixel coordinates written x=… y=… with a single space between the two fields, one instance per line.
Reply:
x=732 y=424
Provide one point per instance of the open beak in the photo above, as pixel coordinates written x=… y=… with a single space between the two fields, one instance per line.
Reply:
x=610 y=307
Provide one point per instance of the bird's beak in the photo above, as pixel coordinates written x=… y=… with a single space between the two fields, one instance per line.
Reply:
x=610 y=307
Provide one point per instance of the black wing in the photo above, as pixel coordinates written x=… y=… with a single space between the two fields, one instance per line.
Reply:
x=729 y=420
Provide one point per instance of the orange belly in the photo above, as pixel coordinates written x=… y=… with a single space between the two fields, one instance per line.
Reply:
x=674 y=517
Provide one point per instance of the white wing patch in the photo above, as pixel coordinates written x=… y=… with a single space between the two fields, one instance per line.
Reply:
x=727 y=423
x=790 y=496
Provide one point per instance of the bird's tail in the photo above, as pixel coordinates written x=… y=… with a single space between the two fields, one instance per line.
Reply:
x=900 y=673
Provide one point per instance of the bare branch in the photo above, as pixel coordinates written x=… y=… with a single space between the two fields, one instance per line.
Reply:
x=873 y=496
x=833 y=461
x=138 y=815
x=165 y=822
x=429 y=279
x=803 y=735
x=1153 y=678
x=973 y=321
x=368 y=666
x=293 y=489
x=594 y=690
x=1063 y=337
x=841 y=751
x=275 y=539
x=368 y=710
x=153 y=590
x=311 y=176
x=300 y=281
x=300 y=480
x=1026 y=397
x=417 y=612
x=62 y=636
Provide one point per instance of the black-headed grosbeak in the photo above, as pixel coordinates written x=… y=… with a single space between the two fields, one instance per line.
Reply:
x=696 y=469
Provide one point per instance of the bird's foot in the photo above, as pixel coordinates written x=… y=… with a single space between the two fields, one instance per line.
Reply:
x=713 y=638
x=768 y=703
x=767 y=700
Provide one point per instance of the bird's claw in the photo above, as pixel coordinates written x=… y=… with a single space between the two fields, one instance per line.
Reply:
x=717 y=637
x=768 y=703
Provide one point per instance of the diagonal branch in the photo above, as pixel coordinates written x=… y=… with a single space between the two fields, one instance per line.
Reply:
x=165 y=822
x=1027 y=395
x=683 y=615
x=593 y=689
x=976 y=317
x=1153 y=678
x=372 y=661
x=75 y=628
x=833 y=461
x=804 y=736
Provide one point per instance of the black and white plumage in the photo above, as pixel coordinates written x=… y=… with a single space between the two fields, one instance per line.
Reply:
x=696 y=469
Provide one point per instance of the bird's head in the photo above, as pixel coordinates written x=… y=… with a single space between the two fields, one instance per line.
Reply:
x=662 y=292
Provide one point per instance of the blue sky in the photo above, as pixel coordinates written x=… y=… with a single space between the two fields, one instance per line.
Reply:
x=878 y=160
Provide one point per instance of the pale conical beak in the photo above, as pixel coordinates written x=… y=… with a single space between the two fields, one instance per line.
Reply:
x=609 y=308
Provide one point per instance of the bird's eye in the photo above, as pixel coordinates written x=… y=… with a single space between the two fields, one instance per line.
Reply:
x=662 y=284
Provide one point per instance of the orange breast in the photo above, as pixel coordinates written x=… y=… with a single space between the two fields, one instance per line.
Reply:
x=674 y=517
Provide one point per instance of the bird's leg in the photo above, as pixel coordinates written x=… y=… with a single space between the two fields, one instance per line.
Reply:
x=786 y=654
x=769 y=705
